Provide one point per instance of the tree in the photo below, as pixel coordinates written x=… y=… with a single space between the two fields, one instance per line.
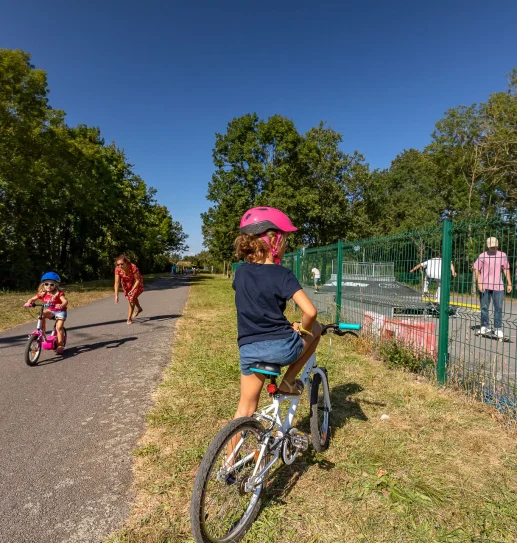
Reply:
x=68 y=201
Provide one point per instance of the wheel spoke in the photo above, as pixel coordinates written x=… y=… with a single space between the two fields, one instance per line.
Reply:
x=226 y=505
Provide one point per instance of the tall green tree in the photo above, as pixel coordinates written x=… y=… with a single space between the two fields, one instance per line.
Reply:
x=68 y=201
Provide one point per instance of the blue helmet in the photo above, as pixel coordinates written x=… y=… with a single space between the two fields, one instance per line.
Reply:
x=53 y=276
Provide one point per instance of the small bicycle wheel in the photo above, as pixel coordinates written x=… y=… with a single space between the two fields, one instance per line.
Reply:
x=32 y=350
x=319 y=416
x=223 y=507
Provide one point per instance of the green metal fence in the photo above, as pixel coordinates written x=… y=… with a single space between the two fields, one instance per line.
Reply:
x=434 y=310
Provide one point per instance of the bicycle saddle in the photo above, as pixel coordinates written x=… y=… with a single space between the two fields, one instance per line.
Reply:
x=267 y=369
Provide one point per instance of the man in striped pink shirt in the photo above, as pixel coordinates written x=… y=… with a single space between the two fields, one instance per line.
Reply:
x=488 y=270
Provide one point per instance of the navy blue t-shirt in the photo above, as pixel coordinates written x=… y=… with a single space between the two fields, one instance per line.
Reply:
x=261 y=294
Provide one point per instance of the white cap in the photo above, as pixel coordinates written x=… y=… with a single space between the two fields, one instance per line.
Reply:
x=492 y=242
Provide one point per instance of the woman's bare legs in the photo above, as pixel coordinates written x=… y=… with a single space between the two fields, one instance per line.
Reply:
x=130 y=312
x=138 y=307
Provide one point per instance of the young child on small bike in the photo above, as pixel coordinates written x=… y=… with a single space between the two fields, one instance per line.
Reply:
x=262 y=288
x=54 y=298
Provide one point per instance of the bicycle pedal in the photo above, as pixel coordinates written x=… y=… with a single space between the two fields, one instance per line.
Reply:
x=299 y=440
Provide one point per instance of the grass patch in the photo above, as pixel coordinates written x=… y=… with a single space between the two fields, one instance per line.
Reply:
x=440 y=469
x=12 y=312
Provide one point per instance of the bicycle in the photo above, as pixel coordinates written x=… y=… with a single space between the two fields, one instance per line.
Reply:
x=242 y=454
x=39 y=340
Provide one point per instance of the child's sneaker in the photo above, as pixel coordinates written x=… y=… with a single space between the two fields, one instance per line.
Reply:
x=60 y=350
x=499 y=333
x=483 y=330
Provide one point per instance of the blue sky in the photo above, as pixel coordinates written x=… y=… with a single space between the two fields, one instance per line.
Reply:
x=161 y=78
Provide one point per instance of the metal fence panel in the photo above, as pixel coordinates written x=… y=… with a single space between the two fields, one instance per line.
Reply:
x=419 y=288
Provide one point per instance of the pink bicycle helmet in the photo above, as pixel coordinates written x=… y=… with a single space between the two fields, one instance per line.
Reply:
x=260 y=219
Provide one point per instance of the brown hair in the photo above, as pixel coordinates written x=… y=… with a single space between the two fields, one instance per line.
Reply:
x=122 y=257
x=252 y=248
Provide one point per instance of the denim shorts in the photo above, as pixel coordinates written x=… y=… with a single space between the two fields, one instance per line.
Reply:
x=272 y=351
x=58 y=315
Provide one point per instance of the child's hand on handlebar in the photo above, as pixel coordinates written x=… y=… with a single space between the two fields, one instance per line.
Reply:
x=28 y=304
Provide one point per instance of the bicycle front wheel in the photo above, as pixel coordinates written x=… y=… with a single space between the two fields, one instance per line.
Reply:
x=225 y=502
x=32 y=350
x=320 y=416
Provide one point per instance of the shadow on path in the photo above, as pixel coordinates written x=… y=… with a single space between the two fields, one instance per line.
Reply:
x=80 y=349
x=9 y=341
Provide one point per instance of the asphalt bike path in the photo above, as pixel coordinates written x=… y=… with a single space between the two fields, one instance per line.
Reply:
x=68 y=425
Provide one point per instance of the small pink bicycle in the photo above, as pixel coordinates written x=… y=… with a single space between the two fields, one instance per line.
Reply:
x=39 y=340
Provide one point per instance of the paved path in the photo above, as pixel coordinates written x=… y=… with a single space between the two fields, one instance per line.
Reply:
x=68 y=425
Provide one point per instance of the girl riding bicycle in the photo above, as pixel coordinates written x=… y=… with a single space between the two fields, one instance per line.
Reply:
x=50 y=294
x=262 y=289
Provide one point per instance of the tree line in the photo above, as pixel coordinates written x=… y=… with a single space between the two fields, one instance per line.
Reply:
x=68 y=201
x=467 y=172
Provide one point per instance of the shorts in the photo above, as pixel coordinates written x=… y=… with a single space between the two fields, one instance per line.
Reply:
x=58 y=315
x=272 y=351
x=316 y=280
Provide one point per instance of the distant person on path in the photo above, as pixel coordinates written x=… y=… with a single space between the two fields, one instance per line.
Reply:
x=51 y=295
x=433 y=270
x=316 y=276
x=487 y=271
x=132 y=284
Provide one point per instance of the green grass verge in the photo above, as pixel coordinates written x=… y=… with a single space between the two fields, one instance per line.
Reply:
x=440 y=469
x=12 y=312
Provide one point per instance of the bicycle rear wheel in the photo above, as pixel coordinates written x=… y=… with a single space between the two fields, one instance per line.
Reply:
x=32 y=350
x=319 y=416
x=222 y=508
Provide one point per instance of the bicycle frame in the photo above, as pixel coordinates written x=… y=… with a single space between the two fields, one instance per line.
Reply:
x=41 y=334
x=271 y=415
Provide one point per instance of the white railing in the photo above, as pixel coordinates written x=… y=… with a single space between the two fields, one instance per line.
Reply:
x=369 y=269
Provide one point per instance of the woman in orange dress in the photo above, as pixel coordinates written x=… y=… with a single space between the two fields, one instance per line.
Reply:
x=132 y=285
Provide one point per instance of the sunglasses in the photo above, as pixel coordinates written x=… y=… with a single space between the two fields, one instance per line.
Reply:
x=49 y=284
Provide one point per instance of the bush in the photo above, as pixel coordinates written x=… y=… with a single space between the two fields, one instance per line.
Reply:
x=397 y=354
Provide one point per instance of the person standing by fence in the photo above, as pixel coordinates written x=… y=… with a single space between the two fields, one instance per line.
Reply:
x=487 y=271
x=316 y=277
x=433 y=270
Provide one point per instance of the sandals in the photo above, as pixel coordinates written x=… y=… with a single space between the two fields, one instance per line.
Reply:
x=295 y=389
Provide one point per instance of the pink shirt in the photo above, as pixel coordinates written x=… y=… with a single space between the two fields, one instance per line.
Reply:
x=51 y=299
x=490 y=268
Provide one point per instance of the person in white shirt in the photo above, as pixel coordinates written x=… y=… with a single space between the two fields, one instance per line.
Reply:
x=433 y=270
x=316 y=276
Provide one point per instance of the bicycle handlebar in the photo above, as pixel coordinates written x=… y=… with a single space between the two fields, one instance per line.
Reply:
x=339 y=328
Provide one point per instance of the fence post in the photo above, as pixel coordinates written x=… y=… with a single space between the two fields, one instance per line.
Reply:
x=445 y=295
x=339 y=279
x=298 y=264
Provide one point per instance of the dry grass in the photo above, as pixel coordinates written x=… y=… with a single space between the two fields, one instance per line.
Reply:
x=12 y=312
x=441 y=469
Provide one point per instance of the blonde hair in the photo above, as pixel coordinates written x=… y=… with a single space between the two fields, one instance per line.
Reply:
x=252 y=248
x=41 y=289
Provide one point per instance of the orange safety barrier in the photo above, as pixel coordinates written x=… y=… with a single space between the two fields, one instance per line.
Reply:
x=421 y=336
